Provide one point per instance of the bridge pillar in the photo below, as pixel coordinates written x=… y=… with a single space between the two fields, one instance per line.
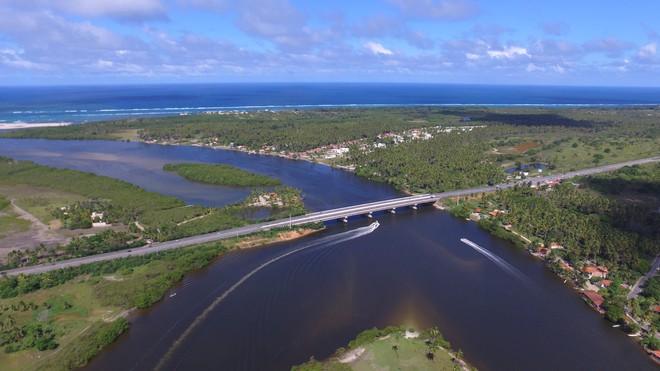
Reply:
x=393 y=211
x=370 y=215
x=414 y=207
x=345 y=220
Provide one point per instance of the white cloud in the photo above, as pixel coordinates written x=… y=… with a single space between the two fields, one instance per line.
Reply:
x=13 y=58
x=280 y=22
x=134 y=10
x=531 y=67
x=436 y=9
x=212 y=5
x=559 y=69
x=508 y=53
x=611 y=47
x=385 y=26
x=472 y=56
x=377 y=48
x=555 y=28
x=648 y=51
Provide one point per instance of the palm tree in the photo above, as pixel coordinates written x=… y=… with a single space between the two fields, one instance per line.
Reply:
x=434 y=332
x=10 y=322
x=17 y=334
x=395 y=348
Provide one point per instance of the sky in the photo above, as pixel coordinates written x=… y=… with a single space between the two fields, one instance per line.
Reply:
x=535 y=42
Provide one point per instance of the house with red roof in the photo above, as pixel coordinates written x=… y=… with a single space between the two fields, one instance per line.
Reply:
x=599 y=271
x=595 y=299
x=656 y=355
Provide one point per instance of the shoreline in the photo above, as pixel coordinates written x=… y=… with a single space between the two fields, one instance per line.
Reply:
x=132 y=314
x=249 y=242
x=570 y=282
x=24 y=125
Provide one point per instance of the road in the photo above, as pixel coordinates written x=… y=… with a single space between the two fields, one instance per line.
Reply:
x=321 y=216
x=637 y=289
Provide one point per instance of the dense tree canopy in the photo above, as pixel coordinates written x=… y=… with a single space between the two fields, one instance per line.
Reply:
x=221 y=174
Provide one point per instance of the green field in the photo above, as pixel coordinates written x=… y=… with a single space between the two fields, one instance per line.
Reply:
x=10 y=222
x=39 y=201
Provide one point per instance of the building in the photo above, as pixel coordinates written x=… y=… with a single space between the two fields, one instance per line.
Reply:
x=554 y=245
x=656 y=355
x=595 y=299
x=599 y=271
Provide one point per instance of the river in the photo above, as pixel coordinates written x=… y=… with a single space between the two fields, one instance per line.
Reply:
x=271 y=307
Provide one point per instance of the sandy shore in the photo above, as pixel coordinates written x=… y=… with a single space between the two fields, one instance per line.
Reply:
x=23 y=125
x=254 y=241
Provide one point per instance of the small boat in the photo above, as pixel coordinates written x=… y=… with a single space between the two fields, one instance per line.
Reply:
x=616 y=325
x=172 y=294
x=374 y=225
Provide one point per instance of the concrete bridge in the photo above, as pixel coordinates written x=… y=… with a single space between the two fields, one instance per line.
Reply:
x=342 y=214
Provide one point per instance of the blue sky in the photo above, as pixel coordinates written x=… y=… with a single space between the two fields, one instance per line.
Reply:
x=560 y=42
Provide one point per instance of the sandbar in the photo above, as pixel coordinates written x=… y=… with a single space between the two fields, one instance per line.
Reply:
x=25 y=125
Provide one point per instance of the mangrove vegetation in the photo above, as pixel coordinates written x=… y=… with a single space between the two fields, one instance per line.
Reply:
x=221 y=174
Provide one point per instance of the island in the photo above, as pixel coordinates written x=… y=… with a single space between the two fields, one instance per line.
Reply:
x=221 y=174
x=393 y=348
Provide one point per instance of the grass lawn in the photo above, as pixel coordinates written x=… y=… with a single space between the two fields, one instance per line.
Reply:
x=372 y=351
x=73 y=308
x=38 y=200
x=582 y=156
x=411 y=355
x=11 y=223
x=578 y=154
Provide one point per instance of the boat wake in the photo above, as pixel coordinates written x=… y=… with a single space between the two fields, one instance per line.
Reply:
x=326 y=241
x=511 y=270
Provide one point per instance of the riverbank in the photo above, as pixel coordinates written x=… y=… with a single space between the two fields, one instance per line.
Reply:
x=537 y=219
x=79 y=310
x=281 y=236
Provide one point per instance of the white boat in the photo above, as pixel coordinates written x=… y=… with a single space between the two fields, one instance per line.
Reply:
x=172 y=294
x=374 y=225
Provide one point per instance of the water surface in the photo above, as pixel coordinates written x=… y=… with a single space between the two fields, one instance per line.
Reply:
x=269 y=308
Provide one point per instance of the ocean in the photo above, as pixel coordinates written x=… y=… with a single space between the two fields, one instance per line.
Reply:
x=78 y=104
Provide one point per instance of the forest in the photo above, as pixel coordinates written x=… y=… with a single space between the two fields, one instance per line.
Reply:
x=446 y=162
x=565 y=139
x=590 y=224
x=221 y=174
